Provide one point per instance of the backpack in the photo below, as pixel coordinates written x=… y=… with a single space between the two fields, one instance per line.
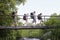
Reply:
x=39 y=17
x=31 y=15
x=24 y=17
x=13 y=15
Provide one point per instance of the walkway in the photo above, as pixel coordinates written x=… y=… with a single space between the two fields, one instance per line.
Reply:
x=26 y=27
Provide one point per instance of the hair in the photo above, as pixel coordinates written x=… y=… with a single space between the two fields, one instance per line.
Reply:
x=16 y=11
x=34 y=11
x=24 y=14
x=40 y=13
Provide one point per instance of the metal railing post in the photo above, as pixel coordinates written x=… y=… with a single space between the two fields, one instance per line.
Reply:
x=44 y=18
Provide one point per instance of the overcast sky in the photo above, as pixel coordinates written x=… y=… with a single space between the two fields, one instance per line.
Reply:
x=47 y=7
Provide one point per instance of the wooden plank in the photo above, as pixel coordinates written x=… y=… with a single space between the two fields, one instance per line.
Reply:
x=25 y=27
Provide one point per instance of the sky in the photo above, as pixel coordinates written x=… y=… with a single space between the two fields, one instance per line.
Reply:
x=46 y=7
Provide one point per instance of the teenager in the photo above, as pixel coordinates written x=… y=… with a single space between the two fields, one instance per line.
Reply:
x=25 y=17
x=14 y=18
x=33 y=16
x=40 y=19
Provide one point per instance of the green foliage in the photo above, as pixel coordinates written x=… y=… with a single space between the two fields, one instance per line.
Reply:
x=55 y=21
x=20 y=24
x=32 y=33
x=10 y=4
x=37 y=33
x=6 y=9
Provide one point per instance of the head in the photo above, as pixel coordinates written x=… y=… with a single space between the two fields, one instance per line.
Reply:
x=40 y=13
x=24 y=14
x=16 y=11
x=34 y=11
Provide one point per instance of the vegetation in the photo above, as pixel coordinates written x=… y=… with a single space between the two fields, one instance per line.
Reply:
x=8 y=6
x=6 y=9
x=54 y=20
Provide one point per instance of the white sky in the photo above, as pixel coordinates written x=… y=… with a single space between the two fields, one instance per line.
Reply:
x=46 y=7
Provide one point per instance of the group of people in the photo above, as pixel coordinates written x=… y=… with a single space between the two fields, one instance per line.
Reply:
x=33 y=16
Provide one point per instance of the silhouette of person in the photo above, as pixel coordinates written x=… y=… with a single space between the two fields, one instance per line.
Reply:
x=33 y=16
x=14 y=17
x=40 y=18
x=25 y=17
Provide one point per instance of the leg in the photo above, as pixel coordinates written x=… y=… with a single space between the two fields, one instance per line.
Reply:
x=26 y=22
x=40 y=22
x=35 y=21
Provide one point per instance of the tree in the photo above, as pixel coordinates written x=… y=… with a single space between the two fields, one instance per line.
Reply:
x=54 y=20
x=32 y=33
x=6 y=9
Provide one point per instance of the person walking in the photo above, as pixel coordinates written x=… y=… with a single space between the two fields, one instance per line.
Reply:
x=14 y=18
x=40 y=19
x=33 y=16
x=25 y=17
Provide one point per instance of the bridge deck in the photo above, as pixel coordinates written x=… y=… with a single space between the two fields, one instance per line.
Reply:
x=26 y=27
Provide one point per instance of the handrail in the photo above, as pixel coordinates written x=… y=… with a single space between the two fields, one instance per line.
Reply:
x=29 y=15
x=25 y=27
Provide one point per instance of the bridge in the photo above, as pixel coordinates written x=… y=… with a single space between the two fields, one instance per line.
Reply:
x=15 y=27
x=26 y=27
